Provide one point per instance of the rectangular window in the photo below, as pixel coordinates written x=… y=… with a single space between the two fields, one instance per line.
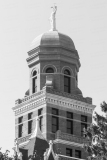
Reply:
x=55 y=123
x=20 y=127
x=83 y=118
x=77 y=153
x=69 y=127
x=70 y=115
x=40 y=111
x=30 y=115
x=55 y=111
x=30 y=122
x=69 y=152
x=30 y=126
x=20 y=130
x=20 y=119
x=55 y=120
x=41 y=123
x=66 y=84
x=34 y=84
x=83 y=126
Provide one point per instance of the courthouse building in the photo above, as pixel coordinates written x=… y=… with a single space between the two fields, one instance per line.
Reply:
x=54 y=96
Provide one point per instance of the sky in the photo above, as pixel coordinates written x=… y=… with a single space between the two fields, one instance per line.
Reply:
x=85 y=21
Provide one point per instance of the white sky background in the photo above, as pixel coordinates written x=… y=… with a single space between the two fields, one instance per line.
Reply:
x=85 y=21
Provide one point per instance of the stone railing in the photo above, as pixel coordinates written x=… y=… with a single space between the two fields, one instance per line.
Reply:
x=63 y=157
x=24 y=139
x=70 y=137
x=50 y=90
x=29 y=98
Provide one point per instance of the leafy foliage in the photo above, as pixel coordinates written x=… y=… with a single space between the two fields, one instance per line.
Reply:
x=4 y=156
x=96 y=135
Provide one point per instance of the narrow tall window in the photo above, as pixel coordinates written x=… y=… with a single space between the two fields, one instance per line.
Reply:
x=20 y=127
x=69 y=152
x=77 y=153
x=41 y=123
x=34 y=82
x=70 y=122
x=30 y=122
x=67 y=81
x=55 y=120
x=83 y=124
x=40 y=112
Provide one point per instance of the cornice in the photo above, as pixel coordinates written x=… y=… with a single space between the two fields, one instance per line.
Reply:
x=69 y=103
x=30 y=106
x=44 y=97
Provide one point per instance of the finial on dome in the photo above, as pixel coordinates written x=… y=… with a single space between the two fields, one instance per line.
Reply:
x=53 y=19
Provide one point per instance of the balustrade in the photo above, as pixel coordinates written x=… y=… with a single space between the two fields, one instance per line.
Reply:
x=63 y=157
x=69 y=137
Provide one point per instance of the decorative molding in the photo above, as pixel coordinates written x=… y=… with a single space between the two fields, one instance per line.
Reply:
x=69 y=103
x=30 y=106
x=68 y=143
x=65 y=100
x=69 y=137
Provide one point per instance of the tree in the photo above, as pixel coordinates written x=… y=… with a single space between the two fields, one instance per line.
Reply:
x=5 y=156
x=96 y=135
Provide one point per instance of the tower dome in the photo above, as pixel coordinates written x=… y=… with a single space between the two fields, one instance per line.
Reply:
x=53 y=39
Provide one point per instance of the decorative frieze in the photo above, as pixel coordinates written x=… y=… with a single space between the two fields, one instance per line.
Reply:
x=24 y=139
x=70 y=103
x=70 y=137
x=50 y=96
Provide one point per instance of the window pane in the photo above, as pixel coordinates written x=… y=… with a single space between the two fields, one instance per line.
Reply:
x=83 y=125
x=69 y=152
x=20 y=119
x=66 y=89
x=34 y=84
x=30 y=115
x=40 y=111
x=67 y=84
x=67 y=72
x=54 y=124
x=70 y=115
x=69 y=131
x=83 y=118
x=66 y=81
x=20 y=130
x=29 y=127
x=34 y=73
x=68 y=124
x=49 y=70
x=54 y=128
x=77 y=154
x=54 y=111
x=70 y=127
x=41 y=123
x=54 y=120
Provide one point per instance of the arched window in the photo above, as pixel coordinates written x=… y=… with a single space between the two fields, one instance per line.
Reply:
x=49 y=70
x=34 y=82
x=67 y=81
